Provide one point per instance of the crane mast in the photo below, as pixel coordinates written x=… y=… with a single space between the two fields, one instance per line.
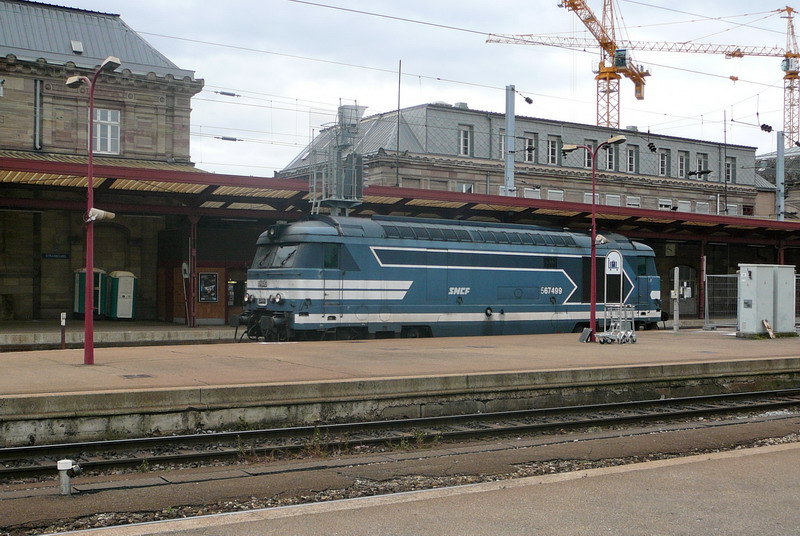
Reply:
x=614 y=61
x=791 y=83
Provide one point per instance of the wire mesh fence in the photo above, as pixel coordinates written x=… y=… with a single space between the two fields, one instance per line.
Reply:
x=721 y=301
x=722 y=292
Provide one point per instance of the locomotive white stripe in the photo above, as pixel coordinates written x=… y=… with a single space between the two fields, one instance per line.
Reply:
x=333 y=294
x=430 y=318
x=330 y=289
x=368 y=284
x=475 y=251
x=374 y=250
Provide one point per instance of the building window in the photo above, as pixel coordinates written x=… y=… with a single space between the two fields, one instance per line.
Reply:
x=663 y=163
x=733 y=210
x=665 y=204
x=701 y=207
x=440 y=185
x=532 y=193
x=612 y=200
x=587 y=198
x=633 y=201
x=633 y=159
x=747 y=210
x=610 y=158
x=730 y=169
x=465 y=140
x=683 y=162
x=684 y=206
x=106 y=131
x=465 y=187
x=555 y=195
x=530 y=149
x=587 y=155
x=552 y=150
x=702 y=163
x=411 y=183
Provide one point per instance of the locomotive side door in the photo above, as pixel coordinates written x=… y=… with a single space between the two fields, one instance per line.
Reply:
x=331 y=280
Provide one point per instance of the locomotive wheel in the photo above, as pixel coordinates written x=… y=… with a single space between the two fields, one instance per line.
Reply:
x=411 y=333
x=253 y=332
x=347 y=334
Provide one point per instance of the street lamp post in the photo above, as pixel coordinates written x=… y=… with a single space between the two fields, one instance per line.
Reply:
x=109 y=64
x=566 y=148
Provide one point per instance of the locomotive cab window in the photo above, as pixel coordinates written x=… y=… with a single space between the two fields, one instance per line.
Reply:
x=330 y=256
x=646 y=266
x=273 y=256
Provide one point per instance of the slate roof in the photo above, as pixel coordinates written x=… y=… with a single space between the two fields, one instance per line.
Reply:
x=33 y=30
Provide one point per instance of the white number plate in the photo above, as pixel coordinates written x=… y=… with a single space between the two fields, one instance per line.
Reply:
x=552 y=290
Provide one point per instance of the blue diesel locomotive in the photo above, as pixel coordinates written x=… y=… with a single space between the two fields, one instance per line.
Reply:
x=346 y=278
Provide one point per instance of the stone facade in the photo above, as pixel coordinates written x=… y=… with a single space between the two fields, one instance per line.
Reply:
x=42 y=119
x=38 y=112
x=454 y=148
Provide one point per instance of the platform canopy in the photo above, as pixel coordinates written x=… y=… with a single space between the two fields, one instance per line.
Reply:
x=31 y=181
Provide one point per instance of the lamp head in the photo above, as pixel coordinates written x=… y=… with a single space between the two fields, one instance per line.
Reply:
x=616 y=140
x=74 y=81
x=568 y=148
x=111 y=63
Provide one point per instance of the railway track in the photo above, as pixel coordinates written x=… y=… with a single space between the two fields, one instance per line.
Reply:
x=97 y=456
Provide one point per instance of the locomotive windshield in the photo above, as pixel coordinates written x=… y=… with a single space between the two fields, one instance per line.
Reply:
x=646 y=266
x=274 y=256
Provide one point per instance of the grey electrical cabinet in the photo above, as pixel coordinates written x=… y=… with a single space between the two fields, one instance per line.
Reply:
x=766 y=292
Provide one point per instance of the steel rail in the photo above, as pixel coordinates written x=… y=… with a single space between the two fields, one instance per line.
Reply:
x=20 y=462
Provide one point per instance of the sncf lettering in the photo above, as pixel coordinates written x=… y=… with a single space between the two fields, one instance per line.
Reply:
x=459 y=291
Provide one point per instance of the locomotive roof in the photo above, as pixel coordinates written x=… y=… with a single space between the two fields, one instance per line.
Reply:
x=436 y=229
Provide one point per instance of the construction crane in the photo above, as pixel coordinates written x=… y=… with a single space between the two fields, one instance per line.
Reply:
x=791 y=83
x=607 y=94
x=614 y=61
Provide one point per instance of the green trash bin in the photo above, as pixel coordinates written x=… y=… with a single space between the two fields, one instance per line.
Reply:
x=122 y=287
x=100 y=289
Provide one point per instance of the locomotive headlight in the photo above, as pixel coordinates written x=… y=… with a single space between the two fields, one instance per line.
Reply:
x=278 y=298
x=271 y=298
x=247 y=298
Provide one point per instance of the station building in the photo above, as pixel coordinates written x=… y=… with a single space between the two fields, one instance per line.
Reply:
x=188 y=236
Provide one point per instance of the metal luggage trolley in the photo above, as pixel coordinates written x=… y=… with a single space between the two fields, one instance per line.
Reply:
x=618 y=325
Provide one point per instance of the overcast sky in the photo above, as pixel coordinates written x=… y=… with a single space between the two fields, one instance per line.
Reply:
x=293 y=63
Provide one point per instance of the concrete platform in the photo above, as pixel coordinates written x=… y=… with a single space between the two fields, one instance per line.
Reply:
x=742 y=492
x=50 y=396
x=46 y=334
